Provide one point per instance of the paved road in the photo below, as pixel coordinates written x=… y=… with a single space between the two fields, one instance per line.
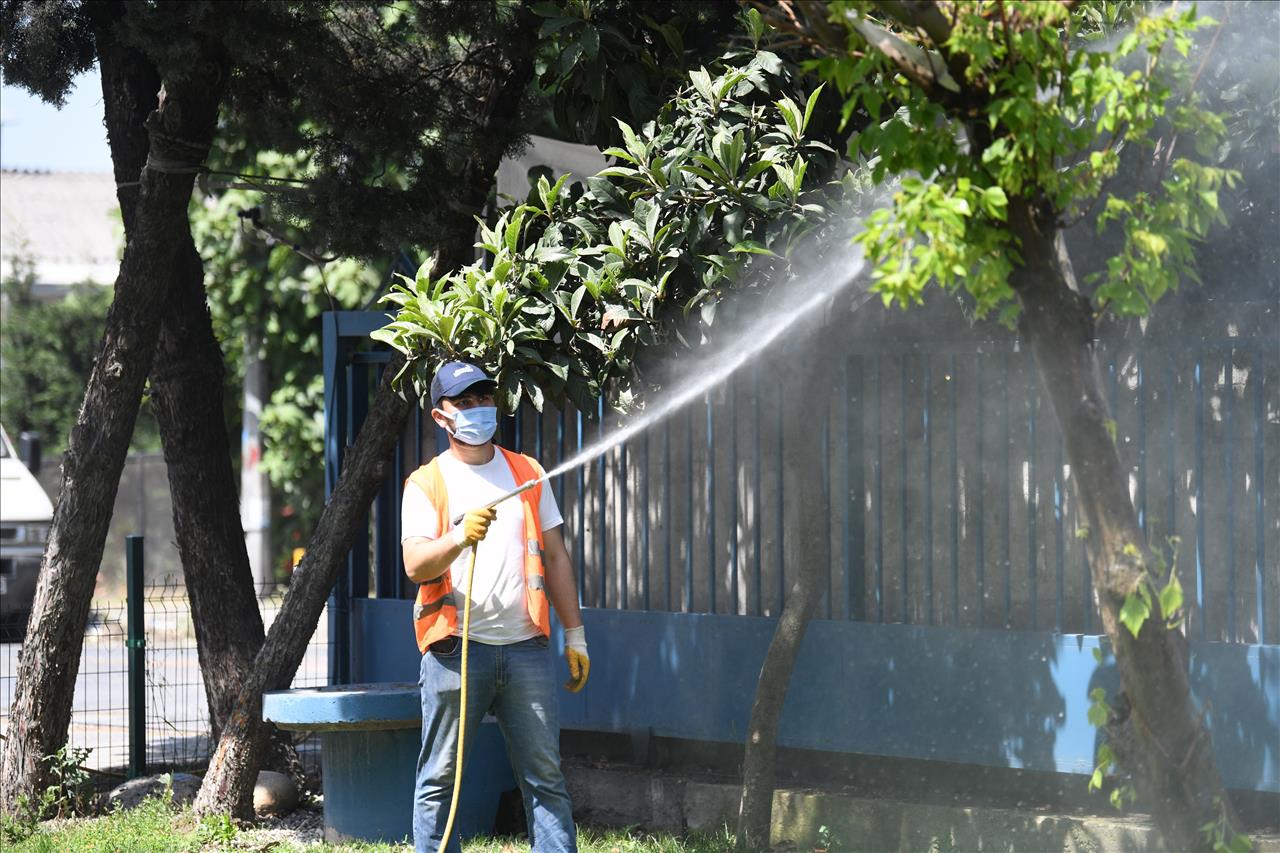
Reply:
x=177 y=715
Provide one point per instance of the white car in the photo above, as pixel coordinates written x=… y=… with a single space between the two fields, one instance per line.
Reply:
x=25 y=513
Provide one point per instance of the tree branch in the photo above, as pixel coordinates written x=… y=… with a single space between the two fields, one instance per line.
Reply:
x=912 y=60
x=921 y=15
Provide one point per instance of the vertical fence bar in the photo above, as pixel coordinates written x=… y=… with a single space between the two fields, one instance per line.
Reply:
x=1059 y=533
x=581 y=545
x=335 y=447
x=688 y=528
x=136 y=643
x=1171 y=527
x=668 y=521
x=1259 y=520
x=733 y=495
x=758 y=490
x=856 y=578
x=624 y=488
x=855 y=569
x=537 y=436
x=1142 y=444
x=602 y=550
x=711 y=504
x=925 y=410
x=847 y=480
x=1113 y=386
x=387 y=571
x=953 y=379
x=560 y=458
x=646 y=521
x=782 y=511
x=1228 y=464
x=1006 y=501
x=1033 y=500
x=979 y=492
x=904 y=589
x=1202 y=628
x=879 y=477
x=825 y=444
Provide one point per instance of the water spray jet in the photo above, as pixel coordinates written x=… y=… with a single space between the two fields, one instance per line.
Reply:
x=757 y=337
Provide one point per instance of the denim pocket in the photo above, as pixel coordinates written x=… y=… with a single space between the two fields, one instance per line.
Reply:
x=541 y=641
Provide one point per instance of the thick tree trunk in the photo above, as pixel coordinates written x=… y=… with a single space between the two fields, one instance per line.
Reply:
x=804 y=552
x=1172 y=758
x=180 y=130
x=187 y=399
x=228 y=784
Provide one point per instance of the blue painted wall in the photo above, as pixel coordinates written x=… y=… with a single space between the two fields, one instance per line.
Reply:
x=995 y=698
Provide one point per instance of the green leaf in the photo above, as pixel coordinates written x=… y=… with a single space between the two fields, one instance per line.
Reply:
x=590 y=47
x=1135 y=611
x=1171 y=597
x=792 y=116
x=754 y=248
x=1098 y=708
x=702 y=84
x=637 y=148
x=754 y=24
x=808 y=107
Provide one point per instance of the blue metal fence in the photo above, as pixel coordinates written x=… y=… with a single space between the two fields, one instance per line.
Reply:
x=950 y=501
x=950 y=509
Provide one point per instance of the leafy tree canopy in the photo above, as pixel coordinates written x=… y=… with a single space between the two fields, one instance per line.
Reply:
x=573 y=287
x=1020 y=101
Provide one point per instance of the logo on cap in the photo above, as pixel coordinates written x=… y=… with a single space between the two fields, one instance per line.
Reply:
x=466 y=368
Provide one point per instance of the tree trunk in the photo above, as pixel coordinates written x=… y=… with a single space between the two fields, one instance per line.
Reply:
x=180 y=129
x=228 y=784
x=804 y=550
x=1172 y=757
x=187 y=400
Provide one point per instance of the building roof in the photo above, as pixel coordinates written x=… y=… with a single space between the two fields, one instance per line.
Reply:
x=67 y=223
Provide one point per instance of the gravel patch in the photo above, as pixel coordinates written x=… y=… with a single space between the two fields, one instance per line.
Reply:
x=304 y=827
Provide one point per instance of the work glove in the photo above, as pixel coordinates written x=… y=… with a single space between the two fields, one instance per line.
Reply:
x=575 y=652
x=473 y=527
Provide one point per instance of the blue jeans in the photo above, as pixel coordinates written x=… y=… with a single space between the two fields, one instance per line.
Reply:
x=517 y=683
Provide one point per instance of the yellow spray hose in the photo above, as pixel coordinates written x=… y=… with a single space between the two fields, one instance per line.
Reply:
x=462 y=711
x=467 y=582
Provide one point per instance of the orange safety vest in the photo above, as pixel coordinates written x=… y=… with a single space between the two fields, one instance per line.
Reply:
x=435 y=612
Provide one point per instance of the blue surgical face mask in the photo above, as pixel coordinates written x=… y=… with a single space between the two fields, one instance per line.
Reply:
x=473 y=426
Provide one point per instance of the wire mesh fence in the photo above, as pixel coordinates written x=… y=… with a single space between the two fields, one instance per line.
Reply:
x=178 y=730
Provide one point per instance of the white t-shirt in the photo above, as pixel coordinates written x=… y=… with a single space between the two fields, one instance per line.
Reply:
x=499 y=614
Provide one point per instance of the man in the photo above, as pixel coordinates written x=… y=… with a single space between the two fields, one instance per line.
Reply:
x=522 y=566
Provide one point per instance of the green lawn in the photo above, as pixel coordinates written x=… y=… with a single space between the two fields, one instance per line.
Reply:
x=155 y=827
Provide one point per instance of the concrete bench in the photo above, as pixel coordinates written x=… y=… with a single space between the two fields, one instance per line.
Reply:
x=369 y=740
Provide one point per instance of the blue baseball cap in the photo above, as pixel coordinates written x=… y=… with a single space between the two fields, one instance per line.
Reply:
x=453 y=378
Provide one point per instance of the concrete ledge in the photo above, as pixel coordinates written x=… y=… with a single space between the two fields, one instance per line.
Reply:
x=621 y=797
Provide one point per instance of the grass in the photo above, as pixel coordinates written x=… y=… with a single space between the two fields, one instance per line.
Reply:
x=155 y=827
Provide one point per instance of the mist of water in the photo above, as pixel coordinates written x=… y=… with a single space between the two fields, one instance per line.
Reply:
x=708 y=369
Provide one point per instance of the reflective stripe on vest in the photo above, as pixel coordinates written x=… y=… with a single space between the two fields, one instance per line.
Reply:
x=435 y=614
